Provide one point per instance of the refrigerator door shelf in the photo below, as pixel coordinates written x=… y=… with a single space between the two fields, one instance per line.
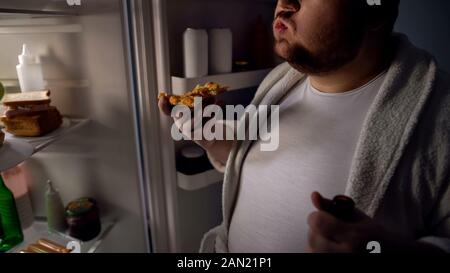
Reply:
x=27 y=146
x=198 y=181
x=234 y=81
x=14 y=152
x=39 y=230
x=67 y=28
x=12 y=85
x=40 y=7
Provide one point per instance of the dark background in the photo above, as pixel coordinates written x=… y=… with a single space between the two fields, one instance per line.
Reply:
x=427 y=22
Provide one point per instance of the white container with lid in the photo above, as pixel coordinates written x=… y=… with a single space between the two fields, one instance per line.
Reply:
x=29 y=72
x=195 y=43
x=220 y=51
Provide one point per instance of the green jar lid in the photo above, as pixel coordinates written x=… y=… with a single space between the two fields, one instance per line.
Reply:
x=80 y=206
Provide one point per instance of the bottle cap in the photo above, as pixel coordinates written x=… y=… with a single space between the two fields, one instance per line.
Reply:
x=50 y=188
x=26 y=57
x=81 y=206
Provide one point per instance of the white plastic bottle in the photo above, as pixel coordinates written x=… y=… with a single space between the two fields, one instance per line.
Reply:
x=29 y=72
x=55 y=209
x=220 y=51
x=195 y=43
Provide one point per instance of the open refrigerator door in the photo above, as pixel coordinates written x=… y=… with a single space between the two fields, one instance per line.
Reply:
x=105 y=62
x=84 y=50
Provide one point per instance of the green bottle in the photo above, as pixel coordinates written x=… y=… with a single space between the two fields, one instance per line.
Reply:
x=12 y=231
x=1 y=231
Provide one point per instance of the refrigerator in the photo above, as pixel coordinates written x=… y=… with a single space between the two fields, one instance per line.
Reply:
x=105 y=62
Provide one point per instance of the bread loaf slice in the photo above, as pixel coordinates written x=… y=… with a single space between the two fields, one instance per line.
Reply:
x=33 y=126
x=25 y=99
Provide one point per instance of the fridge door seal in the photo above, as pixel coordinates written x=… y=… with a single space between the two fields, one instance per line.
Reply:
x=133 y=87
x=159 y=187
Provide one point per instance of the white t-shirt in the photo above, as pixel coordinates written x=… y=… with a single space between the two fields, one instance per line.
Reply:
x=318 y=138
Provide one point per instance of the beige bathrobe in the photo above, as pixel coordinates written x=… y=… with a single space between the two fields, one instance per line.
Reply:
x=400 y=174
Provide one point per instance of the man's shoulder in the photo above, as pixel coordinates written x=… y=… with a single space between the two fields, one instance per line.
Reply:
x=276 y=74
x=281 y=72
x=443 y=79
x=442 y=94
x=436 y=117
x=283 y=67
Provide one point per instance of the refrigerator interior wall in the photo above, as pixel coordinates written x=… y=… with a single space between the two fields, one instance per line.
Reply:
x=88 y=75
x=200 y=210
x=239 y=16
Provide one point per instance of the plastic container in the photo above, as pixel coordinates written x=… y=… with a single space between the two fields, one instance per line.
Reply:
x=29 y=72
x=195 y=43
x=55 y=209
x=192 y=159
x=220 y=51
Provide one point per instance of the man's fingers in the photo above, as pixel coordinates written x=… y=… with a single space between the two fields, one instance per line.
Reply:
x=328 y=226
x=320 y=202
x=189 y=127
x=320 y=244
x=164 y=105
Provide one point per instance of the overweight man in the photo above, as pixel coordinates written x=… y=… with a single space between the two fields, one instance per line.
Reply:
x=362 y=112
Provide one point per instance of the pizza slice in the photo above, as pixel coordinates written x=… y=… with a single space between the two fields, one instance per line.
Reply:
x=208 y=92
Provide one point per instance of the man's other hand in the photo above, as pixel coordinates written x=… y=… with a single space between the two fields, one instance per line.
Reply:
x=329 y=234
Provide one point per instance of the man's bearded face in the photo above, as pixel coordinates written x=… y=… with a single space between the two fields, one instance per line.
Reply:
x=318 y=36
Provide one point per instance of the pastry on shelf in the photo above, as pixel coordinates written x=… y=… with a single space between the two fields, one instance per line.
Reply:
x=208 y=92
x=45 y=246
x=30 y=114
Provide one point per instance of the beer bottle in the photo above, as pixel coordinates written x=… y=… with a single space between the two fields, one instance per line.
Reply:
x=10 y=223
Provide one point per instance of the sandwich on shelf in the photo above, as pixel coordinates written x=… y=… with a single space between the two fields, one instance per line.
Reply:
x=30 y=114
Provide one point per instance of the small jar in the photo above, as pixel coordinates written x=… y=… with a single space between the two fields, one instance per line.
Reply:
x=83 y=219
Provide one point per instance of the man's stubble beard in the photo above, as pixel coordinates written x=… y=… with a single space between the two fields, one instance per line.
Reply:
x=332 y=53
